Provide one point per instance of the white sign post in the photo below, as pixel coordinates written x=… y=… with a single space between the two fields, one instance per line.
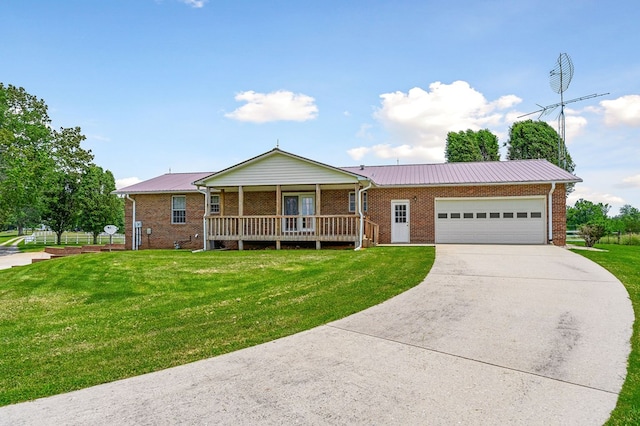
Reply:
x=110 y=229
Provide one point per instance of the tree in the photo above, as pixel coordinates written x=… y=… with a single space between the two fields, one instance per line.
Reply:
x=61 y=206
x=630 y=218
x=25 y=145
x=470 y=146
x=585 y=212
x=488 y=145
x=97 y=205
x=536 y=139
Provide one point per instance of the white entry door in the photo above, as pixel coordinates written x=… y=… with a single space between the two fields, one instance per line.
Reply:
x=400 y=221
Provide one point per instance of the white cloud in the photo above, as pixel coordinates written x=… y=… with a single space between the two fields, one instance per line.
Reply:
x=631 y=182
x=99 y=138
x=275 y=106
x=574 y=124
x=622 y=111
x=593 y=196
x=121 y=183
x=197 y=4
x=421 y=119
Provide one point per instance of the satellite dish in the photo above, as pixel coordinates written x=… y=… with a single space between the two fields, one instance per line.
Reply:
x=110 y=229
x=560 y=76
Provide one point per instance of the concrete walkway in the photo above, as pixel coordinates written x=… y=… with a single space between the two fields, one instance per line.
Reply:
x=494 y=335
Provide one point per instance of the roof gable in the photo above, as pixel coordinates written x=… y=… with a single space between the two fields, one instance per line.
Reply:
x=486 y=172
x=278 y=167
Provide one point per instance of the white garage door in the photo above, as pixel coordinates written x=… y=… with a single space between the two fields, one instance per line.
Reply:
x=511 y=220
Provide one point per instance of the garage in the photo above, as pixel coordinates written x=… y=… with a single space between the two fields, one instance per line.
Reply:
x=505 y=220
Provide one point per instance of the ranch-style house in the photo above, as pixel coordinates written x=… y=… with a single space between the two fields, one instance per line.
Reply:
x=279 y=198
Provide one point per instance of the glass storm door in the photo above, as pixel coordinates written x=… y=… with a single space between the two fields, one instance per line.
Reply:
x=307 y=203
x=290 y=209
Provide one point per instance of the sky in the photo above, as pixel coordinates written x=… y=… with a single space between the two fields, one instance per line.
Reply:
x=201 y=85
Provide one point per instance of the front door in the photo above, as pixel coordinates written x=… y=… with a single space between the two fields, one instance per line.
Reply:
x=299 y=207
x=400 y=221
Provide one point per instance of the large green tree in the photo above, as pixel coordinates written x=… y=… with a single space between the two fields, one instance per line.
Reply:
x=536 y=139
x=97 y=205
x=466 y=146
x=25 y=161
x=629 y=217
x=587 y=212
x=61 y=196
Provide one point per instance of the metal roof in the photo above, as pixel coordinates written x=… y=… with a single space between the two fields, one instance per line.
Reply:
x=487 y=172
x=169 y=182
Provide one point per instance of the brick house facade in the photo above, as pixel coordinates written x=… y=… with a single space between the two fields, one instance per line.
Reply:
x=254 y=201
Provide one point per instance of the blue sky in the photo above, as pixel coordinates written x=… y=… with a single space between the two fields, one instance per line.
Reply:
x=197 y=85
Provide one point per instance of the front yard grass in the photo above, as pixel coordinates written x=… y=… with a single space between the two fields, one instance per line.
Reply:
x=624 y=262
x=78 y=321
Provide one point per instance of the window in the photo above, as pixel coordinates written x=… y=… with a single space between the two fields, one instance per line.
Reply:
x=400 y=215
x=178 y=209
x=521 y=215
x=352 y=202
x=455 y=215
x=494 y=215
x=442 y=215
x=215 y=204
x=507 y=215
x=536 y=215
x=481 y=215
x=467 y=215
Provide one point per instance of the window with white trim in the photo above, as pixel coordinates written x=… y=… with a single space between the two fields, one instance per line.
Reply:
x=214 y=205
x=352 y=202
x=179 y=209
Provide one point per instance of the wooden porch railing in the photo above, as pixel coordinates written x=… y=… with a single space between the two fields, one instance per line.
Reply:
x=290 y=228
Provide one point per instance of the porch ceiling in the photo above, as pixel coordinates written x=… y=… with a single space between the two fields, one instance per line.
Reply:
x=287 y=188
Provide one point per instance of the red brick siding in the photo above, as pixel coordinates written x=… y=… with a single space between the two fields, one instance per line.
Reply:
x=154 y=211
x=335 y=202
x=422 y=204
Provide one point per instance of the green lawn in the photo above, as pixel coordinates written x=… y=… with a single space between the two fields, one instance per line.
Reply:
x=624 y=263
x=7 y=235
x=74 y=322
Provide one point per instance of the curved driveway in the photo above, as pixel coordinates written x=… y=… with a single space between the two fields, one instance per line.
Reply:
x=494 y=335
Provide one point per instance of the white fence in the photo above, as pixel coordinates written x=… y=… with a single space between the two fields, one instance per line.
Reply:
x=49 y=237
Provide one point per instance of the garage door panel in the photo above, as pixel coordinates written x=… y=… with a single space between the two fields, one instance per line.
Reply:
x=490 y=221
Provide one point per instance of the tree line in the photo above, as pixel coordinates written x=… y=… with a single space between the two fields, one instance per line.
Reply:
x=46 y=176
x=527 y=140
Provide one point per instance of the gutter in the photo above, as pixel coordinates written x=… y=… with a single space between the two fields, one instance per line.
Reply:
x=204 y=219
x=553 y=188
x=361 y=236
x=133 y=223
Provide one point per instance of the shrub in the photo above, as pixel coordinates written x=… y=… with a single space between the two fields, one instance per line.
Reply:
x=591 y=233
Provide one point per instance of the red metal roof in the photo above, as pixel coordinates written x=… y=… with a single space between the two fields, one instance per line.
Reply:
x=169 y=182
x=487 y=172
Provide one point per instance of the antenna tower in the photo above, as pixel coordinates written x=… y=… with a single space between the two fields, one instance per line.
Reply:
x=559 y=78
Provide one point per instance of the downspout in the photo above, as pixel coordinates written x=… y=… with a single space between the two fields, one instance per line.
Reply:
x=133 y=223
x=361 y=236
x=204 y=219
x=553 y=188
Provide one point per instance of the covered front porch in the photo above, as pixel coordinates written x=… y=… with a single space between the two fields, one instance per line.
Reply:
x=285 y=213
x=278 y=197
x=321 y=229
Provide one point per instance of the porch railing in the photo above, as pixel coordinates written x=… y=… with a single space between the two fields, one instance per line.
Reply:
x=290 y=228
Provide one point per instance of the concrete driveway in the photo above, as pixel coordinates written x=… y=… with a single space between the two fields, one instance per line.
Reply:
x=494 y=335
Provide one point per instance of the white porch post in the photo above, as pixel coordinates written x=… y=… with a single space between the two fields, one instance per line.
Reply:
x=317 y=213
x=240 y=213
x=278 y=215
